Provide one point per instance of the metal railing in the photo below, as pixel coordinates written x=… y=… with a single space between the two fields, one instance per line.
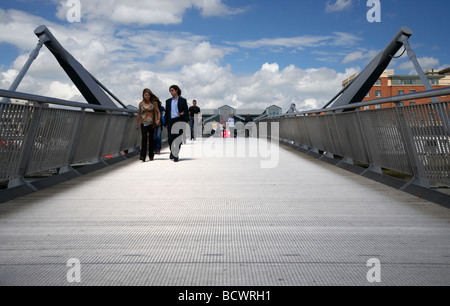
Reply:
x=414 y=140
x=46 y=134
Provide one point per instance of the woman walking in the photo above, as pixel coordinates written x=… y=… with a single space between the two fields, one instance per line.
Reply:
x=149 y=118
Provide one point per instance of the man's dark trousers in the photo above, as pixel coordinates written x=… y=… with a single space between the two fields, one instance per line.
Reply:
x=173 y=137
x=194 y=128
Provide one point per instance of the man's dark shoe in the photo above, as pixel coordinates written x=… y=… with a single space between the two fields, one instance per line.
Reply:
x=176 y=160
x=171 y=156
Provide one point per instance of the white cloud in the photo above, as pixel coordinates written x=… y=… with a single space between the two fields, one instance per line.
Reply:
x=338 y=6
x=445 y=66
x=310 y=104
x=289 y=42
x=63 y=91
x=273 y=68
x=353 y=57
x=345 y=39
x=214 y=8
x=214 y=85
x=425 y=62
x=127 y=61
x=190 y=52
x=359 y=55
x=17 y=28
x=8 y=77
x=270 y=86
x=302 y=42
x=146 y=12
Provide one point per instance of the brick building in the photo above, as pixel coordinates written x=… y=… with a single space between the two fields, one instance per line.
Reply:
x=390 y=85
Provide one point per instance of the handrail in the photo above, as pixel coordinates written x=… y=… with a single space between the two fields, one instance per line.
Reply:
x=48 y=100
x=395 y=99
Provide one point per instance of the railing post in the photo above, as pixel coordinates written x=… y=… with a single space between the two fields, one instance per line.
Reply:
x=417 y=168
x=301 y=128
x=125 y=131
x=372 y=167
x=329 y=131
x=76 y=141
x=102 y=145
x=311 y=148
x=346 y=160
x=27 y=149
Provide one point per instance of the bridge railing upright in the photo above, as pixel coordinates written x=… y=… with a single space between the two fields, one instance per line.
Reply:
x=409 y=139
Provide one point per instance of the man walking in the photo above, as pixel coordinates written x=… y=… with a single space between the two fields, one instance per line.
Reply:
x=176 y=112
x=194 y=114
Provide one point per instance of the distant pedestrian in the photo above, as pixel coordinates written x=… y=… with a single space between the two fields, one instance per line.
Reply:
x=195 y=116
x=231 y=125
x=231 y=121
x=215 y=127
x=292 y=109
x=176 y=112
x=148 y=118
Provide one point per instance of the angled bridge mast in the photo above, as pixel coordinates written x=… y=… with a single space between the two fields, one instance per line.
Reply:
x=357 y=90
x=91 y=89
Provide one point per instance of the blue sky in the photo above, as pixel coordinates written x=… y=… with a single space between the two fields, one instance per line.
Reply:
x=247 y=54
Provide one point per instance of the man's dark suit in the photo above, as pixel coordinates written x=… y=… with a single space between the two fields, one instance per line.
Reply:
x=182 y=108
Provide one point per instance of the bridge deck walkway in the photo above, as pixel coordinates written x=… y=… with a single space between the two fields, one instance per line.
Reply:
x=226 y=222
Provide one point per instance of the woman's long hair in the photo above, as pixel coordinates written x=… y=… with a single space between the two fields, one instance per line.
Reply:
x=153 y=97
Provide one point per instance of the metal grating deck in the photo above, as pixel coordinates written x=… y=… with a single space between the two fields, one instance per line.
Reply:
x=218 y=221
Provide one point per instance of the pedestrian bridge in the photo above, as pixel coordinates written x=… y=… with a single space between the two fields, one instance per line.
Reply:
x=232 y=212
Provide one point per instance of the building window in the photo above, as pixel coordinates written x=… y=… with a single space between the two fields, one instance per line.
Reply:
x=378 y=93
x=406 y=82
x=378 y=83
x=412 y=91
x=414 y=81
x=401 y=92
x=434 y=81
x=368 y=95
x=377 y=106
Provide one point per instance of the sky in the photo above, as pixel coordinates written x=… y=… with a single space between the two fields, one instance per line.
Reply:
x=248 y=54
